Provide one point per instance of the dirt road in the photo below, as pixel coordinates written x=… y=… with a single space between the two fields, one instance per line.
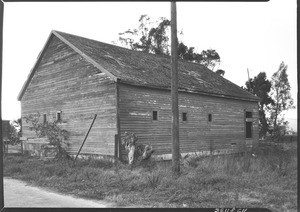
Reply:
x=18 y=194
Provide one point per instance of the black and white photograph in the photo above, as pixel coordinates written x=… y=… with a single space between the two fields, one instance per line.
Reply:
x=150 y=105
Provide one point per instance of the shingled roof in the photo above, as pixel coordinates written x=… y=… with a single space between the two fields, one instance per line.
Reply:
x=150 y=70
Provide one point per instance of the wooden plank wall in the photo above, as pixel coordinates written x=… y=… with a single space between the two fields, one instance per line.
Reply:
x=66 y=82
x=226 y=131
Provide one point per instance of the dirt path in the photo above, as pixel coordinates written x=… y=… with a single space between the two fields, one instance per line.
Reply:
x=18 y=194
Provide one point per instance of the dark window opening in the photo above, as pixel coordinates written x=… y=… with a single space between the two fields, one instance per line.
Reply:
x=154 y=116
x=248 y=114
x=44 y=118
x=209 y=117
x=184 y=116
x=58 y=116
x=248 y=129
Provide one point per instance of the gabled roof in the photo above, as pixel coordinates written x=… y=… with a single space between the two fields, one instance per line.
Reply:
x=144 y=69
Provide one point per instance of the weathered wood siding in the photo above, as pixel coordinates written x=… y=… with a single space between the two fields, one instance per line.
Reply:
x=225 y=131
x=64 y=81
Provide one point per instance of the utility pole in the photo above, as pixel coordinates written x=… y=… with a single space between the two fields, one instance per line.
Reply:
x=174 y=93
x=250 y=88
x=248 y=75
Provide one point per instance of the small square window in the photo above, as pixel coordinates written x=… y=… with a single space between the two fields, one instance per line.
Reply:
x=248 y=114
x=154 y=115
x=44 y=118
x=58 y=116
x=209 y=117
x=184 y=116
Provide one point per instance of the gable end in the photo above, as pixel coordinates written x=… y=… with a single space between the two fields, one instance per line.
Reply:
x=42 y=53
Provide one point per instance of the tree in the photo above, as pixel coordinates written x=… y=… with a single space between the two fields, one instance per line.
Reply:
x=280 y=92
x=11 y=131
x=261 y=87
x=187 y=53
x=14 y=132
x=210 y=58
x=152 y=37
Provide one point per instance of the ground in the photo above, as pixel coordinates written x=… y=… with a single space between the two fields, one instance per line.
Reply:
x=266 y=177
x=20 y=194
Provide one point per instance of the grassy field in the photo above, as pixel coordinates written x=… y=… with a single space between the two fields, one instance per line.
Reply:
x=267 y=180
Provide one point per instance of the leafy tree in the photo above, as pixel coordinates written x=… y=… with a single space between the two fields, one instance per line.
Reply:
x=210 y=58
x=14 y=132
x=151 y=37
x=280 y=92
x=261 y=87
x=187 y=53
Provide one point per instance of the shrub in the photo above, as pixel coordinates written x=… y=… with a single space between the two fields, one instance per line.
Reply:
x=13 y=170
x=190 y=160
x=136 y=151
x=154 y=179
x=148 y=165
x=52 y=131
x=49 y=171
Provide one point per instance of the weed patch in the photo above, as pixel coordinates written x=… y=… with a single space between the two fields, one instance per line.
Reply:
x=215 y=181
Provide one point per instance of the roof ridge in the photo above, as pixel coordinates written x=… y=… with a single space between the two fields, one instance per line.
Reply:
x=131 y=50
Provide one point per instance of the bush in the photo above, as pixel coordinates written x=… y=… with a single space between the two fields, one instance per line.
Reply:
x=190 y=160
x=52 y=131
x=154 y=179
x=11 y=171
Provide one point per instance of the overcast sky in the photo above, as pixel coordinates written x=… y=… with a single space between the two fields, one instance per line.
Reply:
x=255 y=35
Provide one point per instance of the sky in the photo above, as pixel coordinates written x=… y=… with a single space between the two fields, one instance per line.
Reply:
x=247 y=35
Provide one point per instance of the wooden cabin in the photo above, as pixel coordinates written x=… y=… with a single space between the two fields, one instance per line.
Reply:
x=75 y=78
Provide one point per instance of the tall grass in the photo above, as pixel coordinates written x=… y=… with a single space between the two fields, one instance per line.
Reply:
x=266 y=177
